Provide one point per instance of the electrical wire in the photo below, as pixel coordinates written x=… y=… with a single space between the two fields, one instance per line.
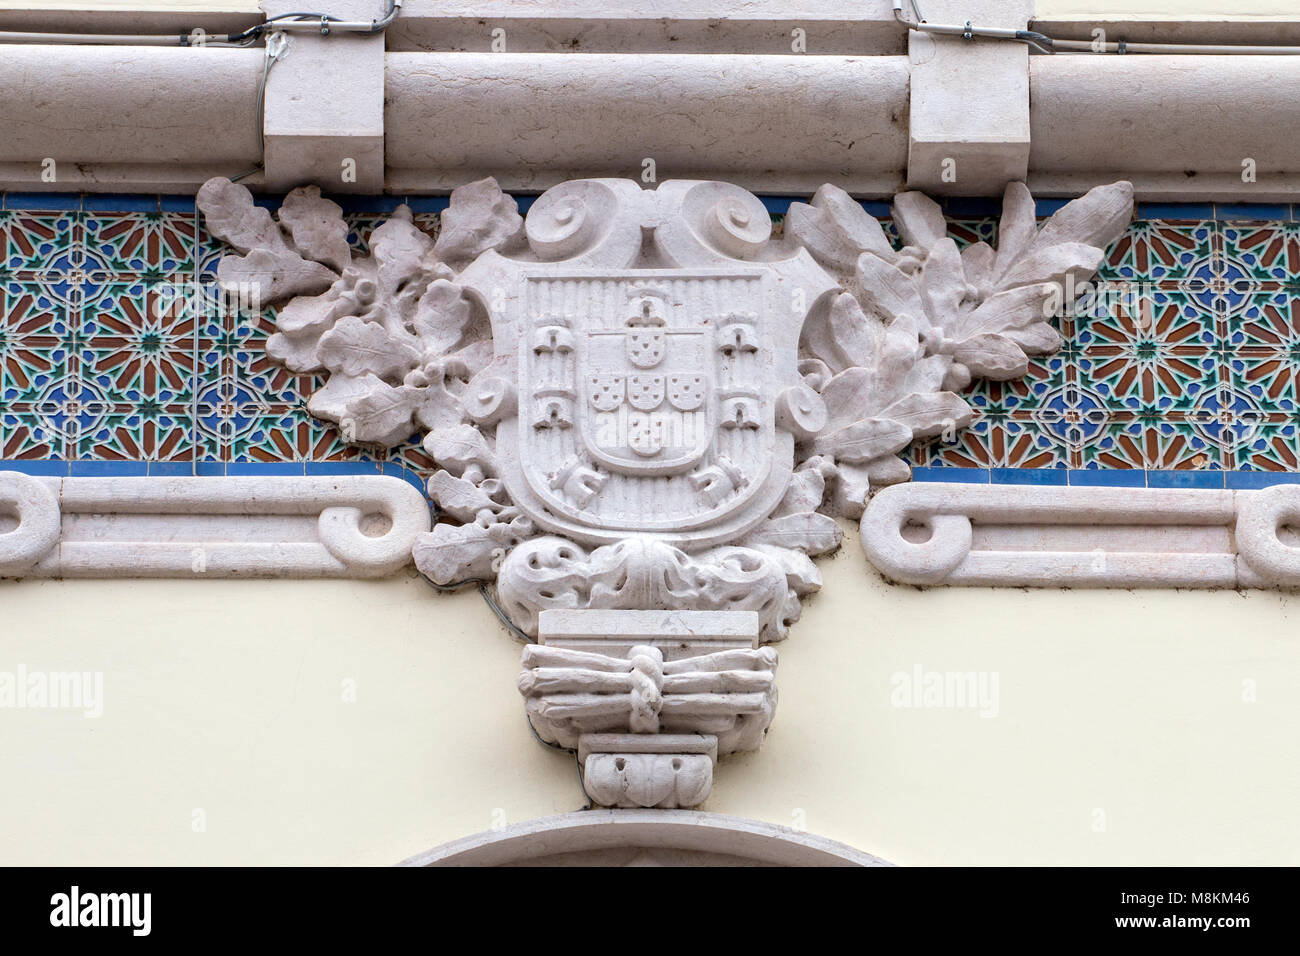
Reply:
x=326 y=25
x=323 y=23
x=1050 y=45
x=482 y=584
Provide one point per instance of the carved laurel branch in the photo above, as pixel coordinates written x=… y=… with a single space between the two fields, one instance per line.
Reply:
x=916 y=325
x=400 y=343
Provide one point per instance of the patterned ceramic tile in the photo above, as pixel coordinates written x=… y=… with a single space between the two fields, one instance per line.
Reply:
x=1185 y=356
x=38 y=243
x=140 y=345
x=34 y=341
x=140 y=432
x=1160 y=250
x=152 y=245
x=1268 y=322
x=1269 y=446
x=1153 y=445
x=1149 y=377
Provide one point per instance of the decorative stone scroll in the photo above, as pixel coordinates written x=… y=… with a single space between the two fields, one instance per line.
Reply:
x=347 y=527
x=640 y=400
x=1072 y=537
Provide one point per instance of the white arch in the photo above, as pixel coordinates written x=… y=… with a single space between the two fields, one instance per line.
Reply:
x=644 y=838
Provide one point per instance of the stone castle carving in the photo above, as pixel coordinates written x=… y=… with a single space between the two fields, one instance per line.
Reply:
x=641 y=401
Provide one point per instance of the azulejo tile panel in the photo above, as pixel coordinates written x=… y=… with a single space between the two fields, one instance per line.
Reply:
x=115 y=346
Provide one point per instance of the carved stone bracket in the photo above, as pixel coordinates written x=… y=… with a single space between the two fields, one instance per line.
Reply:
x=649 y=720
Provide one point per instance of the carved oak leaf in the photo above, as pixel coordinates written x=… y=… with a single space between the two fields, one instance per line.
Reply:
x=454 y=554
x=808 y=532
x=835 y=229
x=401 y=252
x=317 y=227
x=890 y=366
x=367 y=409
x=887 y=394
x=450 y=554
x=463 y=499
x=269 y=264
x=479 y=217
x=459 y=448
x=301 y=323
x=354 y=347
x=441 y=317
x=919 y=219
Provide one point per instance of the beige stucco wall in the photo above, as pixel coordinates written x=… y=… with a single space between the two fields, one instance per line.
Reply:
x=1167 y=9
x=228 y=698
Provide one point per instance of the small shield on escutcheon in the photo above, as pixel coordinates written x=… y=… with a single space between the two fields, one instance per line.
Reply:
x=644 y=436
x=645 y=347
x=606 y=392
x=686 y=392
x=645 y=392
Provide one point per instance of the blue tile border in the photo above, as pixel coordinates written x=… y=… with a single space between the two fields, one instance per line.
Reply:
x=1048 y=207
x=1181 y=210
x=780 y=205
x=121 y=202
x=54 y=202
x=37 y=469
x=974 y=207
x=1108 y=478
x=176 y=203
x=1095 y=478
x=210 y=469
x=108 y=469
x=966 y=476
x=1185 y=479
x=1248 y=480
x=171 y=469
x=1248 y=210
x=1029 y=476
x=980 y=207
x=295 y=469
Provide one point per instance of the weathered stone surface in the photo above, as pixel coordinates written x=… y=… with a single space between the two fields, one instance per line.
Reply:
x=1076 y=537
x=353 y=526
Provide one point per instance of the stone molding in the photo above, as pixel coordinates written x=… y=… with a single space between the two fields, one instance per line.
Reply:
x=579 y=92
x=931 y=533
x=348 y=527
x=644 y=837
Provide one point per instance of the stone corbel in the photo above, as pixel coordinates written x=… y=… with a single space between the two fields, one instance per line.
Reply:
x=649 y=699
x=323 y=115
x=969 y=101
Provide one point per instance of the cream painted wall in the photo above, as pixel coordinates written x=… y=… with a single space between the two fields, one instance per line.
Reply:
x=226 y=697
x=202 y=6
x=1167 y=9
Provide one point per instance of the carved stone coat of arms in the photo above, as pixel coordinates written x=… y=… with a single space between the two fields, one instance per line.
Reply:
x=647 y=411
